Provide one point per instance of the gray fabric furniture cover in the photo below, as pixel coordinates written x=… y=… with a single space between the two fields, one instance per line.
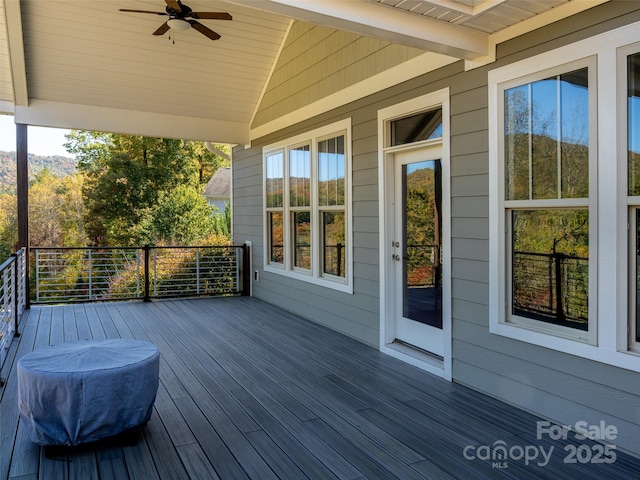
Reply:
x=79 y=392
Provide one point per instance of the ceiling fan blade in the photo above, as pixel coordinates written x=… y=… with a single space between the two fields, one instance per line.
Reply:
x=210 y=15
x=162 y=29
x=206 y=31
x=174 y=4
x=142 y=11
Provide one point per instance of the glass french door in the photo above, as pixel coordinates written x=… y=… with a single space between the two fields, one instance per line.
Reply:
x=417 y=250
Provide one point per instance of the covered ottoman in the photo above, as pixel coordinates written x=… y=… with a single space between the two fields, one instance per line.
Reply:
x=79 y=392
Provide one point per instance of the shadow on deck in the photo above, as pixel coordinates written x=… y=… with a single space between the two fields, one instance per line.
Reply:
x=250 y=391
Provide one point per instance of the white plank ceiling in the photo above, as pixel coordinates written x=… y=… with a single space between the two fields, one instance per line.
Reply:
x=84 y=64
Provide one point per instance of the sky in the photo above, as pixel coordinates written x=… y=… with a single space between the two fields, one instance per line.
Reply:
x=42 y=141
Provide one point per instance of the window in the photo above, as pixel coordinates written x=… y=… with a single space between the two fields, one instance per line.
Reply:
x=307 y=232
x=300 y=205
x=546 y=171
x=416 y=128
x=275 y=207
x=633 y=192
x=564 y=184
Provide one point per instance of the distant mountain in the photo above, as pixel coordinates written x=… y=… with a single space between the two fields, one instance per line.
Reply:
x=58 y=165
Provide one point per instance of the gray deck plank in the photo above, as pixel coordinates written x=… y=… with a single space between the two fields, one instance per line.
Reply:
x=196 y=462
x=250 y=391
x=26 y=463
x=281 y=463
x=84 y=466
x=97 y=331
x=70 y=326
x=53 y=467
x=163 y=451
x=56 y=335
x=82 y=323
x=139 y=460
x=26 y=455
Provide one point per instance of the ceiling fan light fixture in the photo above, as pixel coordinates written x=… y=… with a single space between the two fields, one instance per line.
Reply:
x=178 y=24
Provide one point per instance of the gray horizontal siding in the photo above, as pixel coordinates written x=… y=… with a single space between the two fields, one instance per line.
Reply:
x=552 y=384
x=558 y=386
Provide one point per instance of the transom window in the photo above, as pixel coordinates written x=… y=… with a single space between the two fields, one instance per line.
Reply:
x=306 y=205
x=416 y=128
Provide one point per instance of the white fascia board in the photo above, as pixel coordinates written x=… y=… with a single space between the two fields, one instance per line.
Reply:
x=16 y=51
x=415 y=67
x=102 y=119
x=6 y=107
x=380 y=21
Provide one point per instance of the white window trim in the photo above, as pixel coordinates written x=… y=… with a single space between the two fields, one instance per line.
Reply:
x=437 y=99
x=590 y=336
x=315 y=276
x=610 y=209
x=626 y=338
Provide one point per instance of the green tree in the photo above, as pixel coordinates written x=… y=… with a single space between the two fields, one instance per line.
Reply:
x=222 y=221
x=129 y=180
x=8 y=225
x=182 y=216
x=208 y=162
x=55 y=211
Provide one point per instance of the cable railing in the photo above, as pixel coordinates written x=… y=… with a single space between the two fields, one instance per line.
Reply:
x=551 y=287
x=90 y=274
x=13 y=288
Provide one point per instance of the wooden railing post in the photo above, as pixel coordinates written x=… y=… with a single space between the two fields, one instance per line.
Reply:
x=147 y=298
x=246 y=270
x=558 y=257
x=16 y=294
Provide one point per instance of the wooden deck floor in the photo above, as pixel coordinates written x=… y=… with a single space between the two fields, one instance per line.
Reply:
x=249 y=391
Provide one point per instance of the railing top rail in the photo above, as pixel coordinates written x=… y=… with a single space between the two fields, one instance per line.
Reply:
x=195 y=246
x=134 y=247
x=7 y=262
x=550 y=255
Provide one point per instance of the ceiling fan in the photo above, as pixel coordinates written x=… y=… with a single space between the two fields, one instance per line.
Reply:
x=181 y=18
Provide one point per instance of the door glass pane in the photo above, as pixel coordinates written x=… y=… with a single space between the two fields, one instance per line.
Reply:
x=633 y=123
x=422 y=242
x=416 y=128
x=276 y=237
x=333 y=243
x=550 y=265
x=300 y=177
x=302 y=240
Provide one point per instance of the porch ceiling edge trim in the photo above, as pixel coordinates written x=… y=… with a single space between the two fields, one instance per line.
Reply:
x=383 y=22
x=103 y=119
x=545 y=18
x=16 y=51
x=474 y=11
x=415 y=67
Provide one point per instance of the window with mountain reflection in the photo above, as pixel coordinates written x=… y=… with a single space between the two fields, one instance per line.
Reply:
x=546 y=151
